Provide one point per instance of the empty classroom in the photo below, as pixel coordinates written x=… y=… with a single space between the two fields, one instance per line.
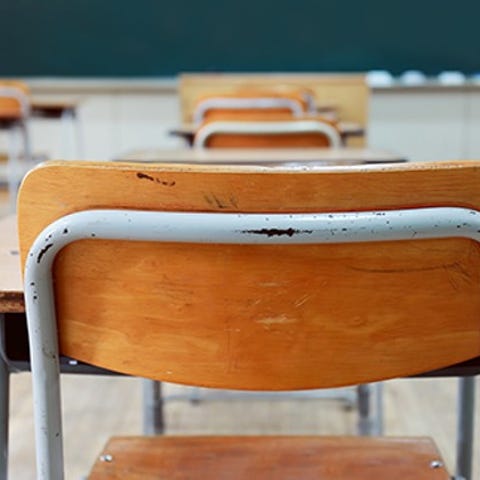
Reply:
x=239 y=242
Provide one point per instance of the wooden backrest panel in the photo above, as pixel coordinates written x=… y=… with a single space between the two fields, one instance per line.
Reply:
x=10 y=107
x=308 y=138
x=261 y=317
x=349 y=93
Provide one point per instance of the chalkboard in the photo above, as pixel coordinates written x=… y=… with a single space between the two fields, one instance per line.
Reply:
x=128 y=38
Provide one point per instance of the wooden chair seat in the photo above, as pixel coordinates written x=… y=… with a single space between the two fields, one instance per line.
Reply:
x=261 y=458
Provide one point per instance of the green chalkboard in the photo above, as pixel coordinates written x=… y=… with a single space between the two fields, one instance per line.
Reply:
x=157 y=37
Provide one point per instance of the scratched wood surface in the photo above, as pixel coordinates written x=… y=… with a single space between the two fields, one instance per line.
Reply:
x=349 y=93
x=267 y=457
x=261 y=317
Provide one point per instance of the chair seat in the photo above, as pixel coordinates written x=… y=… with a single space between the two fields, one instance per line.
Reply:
x=278 y=458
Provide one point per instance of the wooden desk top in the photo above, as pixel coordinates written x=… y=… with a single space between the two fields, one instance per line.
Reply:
x=11 y=288
x=52 y=108
x=305 y=158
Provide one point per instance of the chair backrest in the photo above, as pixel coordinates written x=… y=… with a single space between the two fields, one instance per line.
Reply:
x=242 y=104
x=312 y=133
x=14 y=102
x=348 y=93
x=260 y=316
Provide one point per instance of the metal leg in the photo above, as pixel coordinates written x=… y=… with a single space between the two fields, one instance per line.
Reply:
x=153 y=422
x=72 y=134
x=78 y=135
x=27 y=147
x=465 y=427
x=4 y=406
x=13 y=169
x=379 y=408
x=370 y=420
x=364 y=421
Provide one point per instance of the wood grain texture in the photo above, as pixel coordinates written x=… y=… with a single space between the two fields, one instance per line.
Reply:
x=262 y=458
x=349 y=93
x=11 y=288
x=261 y=317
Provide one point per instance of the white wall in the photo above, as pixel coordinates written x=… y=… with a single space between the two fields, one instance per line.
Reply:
x=420 y=123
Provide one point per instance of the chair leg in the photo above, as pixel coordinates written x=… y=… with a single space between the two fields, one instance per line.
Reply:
x=4 y=405
x=27 y=146
x=465 y=427
x=153 y=421
x=13 y=169
x=370 y=420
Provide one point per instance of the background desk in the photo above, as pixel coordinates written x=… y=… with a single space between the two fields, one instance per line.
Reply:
x=306 y=158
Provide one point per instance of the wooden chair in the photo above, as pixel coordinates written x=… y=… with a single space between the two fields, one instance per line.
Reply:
x=251 y=278
x=242 y=104
x=14 y=115
x=347 y=93
x=306 y=94
x=305 y=133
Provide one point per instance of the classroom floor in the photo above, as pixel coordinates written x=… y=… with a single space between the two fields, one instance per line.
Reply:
x=98 y=407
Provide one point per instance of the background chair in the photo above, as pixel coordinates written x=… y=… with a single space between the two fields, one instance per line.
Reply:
x=251 y=300
x=243 y=103
x=14 y=116
x=268 y=134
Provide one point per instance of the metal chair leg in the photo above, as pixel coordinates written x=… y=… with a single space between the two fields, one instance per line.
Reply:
x=153 y=421
x=13 y=169
x=370 y=420
x=465 y=427
x=4 y=405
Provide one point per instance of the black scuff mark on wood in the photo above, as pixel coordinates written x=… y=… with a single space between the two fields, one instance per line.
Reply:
x=43 y=251
x=165 y=183
x=277 y=232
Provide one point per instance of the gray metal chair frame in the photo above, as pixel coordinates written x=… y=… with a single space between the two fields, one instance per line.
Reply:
x=267 y=128
x=247 y=103
x=438 y=222
x=22 y=126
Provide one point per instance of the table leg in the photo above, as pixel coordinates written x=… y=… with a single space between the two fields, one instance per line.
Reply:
x=465 y=427
x=4 y=403
x=153 y=422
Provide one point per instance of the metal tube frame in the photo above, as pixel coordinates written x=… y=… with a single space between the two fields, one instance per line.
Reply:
x=230 y=228
x=267 y=128
x=260 y=103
